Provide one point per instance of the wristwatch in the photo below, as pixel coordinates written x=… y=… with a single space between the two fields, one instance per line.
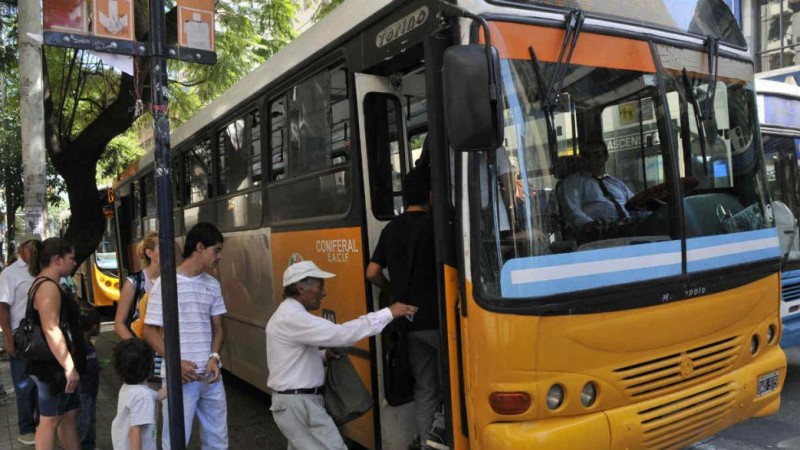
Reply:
x=215 y=355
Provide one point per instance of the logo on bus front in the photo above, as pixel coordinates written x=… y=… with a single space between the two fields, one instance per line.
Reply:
x=402 y=27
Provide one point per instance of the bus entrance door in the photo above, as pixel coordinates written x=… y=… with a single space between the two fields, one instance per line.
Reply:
x=385 y=161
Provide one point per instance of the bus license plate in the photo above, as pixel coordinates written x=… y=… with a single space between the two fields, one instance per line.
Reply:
x=767 y=383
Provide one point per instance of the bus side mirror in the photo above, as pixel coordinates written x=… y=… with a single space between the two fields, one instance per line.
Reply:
x=472 y=98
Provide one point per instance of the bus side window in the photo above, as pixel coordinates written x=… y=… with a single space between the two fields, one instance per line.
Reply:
x=198 y=172
x=383 y=117
x=255 y=146
x=277 y=114
x=309 y=148
x=233 y=158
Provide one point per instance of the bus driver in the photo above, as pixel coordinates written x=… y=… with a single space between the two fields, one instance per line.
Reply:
x=590 y=196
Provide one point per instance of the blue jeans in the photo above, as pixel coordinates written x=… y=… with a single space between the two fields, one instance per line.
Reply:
x=26 y=396
x=87 y=421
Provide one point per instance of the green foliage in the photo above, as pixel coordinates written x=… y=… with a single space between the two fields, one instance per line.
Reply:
x=248 y=32
x=325 y=7
x=120 y=153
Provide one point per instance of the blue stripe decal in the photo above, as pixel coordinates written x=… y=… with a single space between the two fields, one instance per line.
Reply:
x=713 y=252
x=568 y=272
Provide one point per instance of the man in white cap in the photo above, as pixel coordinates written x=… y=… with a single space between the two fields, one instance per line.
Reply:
x=14 y=284
x=295 y=361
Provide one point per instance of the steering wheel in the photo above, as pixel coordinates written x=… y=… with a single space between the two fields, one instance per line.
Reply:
x=655 y=196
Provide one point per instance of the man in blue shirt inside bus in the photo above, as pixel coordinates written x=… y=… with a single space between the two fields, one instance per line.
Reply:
x=590 y=197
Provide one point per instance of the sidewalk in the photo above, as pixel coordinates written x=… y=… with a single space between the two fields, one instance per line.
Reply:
x=106 y=398
x=250 y=425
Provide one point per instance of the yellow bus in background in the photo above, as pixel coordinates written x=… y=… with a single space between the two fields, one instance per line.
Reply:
x=97 y=279
x=647 y=333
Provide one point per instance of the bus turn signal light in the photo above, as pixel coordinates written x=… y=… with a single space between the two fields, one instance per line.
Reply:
x=509 y=403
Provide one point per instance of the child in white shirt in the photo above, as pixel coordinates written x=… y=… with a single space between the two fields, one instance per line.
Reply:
x=134 y=427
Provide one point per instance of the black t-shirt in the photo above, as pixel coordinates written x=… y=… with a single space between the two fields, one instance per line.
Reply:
x=393 y=253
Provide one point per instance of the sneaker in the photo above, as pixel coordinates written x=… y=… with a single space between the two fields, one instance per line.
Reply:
x=27 y=438
x=437 y=439
x=3 y=393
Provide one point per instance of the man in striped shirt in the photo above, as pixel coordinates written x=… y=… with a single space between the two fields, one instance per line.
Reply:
x=200 y=308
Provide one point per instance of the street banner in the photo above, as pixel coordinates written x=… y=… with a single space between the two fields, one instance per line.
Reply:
x=65 y=16
x=196 y=24
x=113 y=19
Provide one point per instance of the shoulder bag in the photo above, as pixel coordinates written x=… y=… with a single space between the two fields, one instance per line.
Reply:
x=29 y=340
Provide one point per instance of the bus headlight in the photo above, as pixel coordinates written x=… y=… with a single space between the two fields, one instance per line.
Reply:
x=754 y=344
x=588 y=394
x=555 y=396
x=770 y=334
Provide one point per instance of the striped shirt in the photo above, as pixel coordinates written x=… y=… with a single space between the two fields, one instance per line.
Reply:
x=199 y=298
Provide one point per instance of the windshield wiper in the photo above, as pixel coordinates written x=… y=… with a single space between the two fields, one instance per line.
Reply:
x=698 y=117
x=712 y=50
x=549 y=96
x=549 y=113
x=574 y=25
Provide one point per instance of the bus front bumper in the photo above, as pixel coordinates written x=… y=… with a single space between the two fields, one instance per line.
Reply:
x=669 y=421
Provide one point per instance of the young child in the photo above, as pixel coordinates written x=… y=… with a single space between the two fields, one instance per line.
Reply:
x=90 y=383
x=134 y=427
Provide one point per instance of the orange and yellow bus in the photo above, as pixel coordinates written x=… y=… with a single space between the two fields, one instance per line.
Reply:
x=650 y=332
x=97 y=279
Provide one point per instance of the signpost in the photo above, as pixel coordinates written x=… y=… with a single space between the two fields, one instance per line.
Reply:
x=113 y=32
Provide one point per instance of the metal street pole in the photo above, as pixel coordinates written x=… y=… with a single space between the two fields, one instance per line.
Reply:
x=166 y=232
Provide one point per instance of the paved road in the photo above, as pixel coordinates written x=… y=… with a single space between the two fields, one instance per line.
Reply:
x=779 y=431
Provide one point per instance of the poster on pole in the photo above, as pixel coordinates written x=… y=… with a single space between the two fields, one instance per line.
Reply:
x=113 y=19
x=65 y=16
x=196 y=24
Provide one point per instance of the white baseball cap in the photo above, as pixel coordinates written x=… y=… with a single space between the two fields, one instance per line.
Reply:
x=302 y=270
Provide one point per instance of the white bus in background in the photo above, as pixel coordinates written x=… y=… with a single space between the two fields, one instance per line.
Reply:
x=779 y=115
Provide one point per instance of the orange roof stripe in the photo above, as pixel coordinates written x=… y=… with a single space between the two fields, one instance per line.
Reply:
x=595 y=50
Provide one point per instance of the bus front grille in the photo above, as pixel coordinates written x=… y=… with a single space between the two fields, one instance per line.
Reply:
x=680 y=422
x=671 y=372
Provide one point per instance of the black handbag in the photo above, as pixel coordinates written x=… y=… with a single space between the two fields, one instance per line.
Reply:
x=29 y=340
x=346 y=397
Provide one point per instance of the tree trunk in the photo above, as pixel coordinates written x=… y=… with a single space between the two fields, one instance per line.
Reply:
x=86 y=224
x=11 y=230
x=76 y=161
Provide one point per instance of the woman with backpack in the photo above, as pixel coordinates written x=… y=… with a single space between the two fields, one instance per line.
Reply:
x=132 y=301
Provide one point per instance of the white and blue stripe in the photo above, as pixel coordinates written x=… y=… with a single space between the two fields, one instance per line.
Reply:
x=556 y=274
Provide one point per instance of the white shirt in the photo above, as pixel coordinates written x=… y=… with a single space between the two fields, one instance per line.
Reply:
x=136 y=407
x=15 y=281
x=294 y=336
x=199 y=298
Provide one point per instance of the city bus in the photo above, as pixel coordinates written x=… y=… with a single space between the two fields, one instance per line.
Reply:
x=651 y=332
x=97 y=279
x=779 y=116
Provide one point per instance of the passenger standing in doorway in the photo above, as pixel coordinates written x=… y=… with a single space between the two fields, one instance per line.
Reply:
x=200 y=308
x=295 y=361
x=406 y=249
x=15 y=281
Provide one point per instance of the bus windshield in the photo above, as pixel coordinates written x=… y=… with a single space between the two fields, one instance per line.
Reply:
x=589 y=189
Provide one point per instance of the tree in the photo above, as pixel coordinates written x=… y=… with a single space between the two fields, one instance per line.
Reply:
x=88 y=104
